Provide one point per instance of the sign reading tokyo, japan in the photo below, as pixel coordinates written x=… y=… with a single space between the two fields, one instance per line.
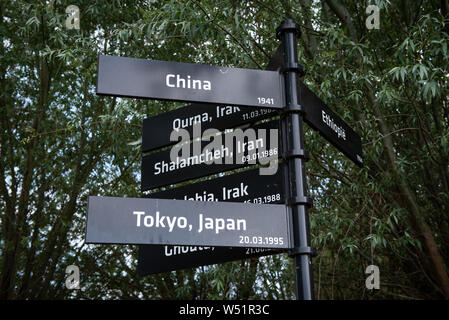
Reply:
x=164 y=80
x=194 y=223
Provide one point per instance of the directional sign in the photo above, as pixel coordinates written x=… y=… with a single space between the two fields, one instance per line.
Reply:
x=164 y=80
x=248 y=186
x=156 y=130
x=157 y=259
x=158 y=169
x=193 y=223
x=321 y=118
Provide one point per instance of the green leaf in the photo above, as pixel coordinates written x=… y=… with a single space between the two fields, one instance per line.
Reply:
x=134 y=143
x=422 y=72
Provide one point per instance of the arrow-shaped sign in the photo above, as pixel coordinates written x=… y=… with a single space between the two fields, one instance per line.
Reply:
x=321 y=118
x=158 y=169
x=165 y=80
x=112 y=220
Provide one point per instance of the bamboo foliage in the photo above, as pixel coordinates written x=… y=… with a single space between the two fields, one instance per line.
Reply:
x=59 y=143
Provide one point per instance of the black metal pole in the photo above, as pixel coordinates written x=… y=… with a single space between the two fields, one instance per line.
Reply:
x=295 y=157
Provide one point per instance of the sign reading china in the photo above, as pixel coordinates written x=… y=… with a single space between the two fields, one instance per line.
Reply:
x=177 y=81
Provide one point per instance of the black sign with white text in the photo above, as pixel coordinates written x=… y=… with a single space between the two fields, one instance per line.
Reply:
x=176 y=81
x=321 y=118
x=159 y=170
x=248 y=186
x=112 y=220
x=157 y=259
x=156 y=130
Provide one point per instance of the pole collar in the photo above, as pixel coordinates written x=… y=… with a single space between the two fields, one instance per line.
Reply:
x=288 y=25
x=302 y=250
x=296 y=67
x=292 y=108
x=301 y=200
x=296 y=153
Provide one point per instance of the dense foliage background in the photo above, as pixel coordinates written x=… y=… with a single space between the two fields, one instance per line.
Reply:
x=59 y=143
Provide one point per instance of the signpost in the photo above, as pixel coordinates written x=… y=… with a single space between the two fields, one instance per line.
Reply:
x=196 y=228
x=246 y=186
x=193 y=223
x=295 y=157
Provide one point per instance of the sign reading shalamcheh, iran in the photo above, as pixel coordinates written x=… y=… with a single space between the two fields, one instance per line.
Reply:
x=112 y=220
x=158 y=169
x=177 y=81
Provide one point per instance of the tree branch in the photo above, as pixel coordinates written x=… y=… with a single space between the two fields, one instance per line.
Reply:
x=217 y=26
x=342 y=13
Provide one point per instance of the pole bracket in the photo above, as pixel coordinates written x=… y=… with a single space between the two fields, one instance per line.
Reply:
x=296 y=153
x=302 y=250
x=292 y=108
x=295 y=67
x=307 y=201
